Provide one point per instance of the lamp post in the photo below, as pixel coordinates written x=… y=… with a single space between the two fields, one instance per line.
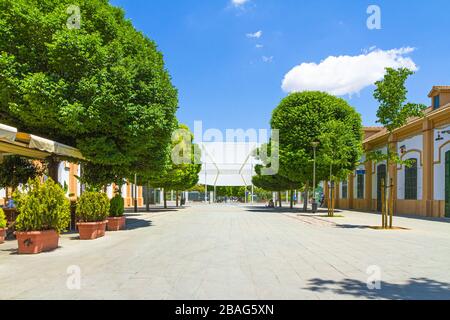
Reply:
x=135 y=194
x=314 y=144
x=206 y=185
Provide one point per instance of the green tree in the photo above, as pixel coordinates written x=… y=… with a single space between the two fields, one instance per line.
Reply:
x=15 y=170
x=102 y=87
x=275 y=183
x=98 y=177
x=182 y=172
x=393 y=113
x=338 y=146
x=301 y=119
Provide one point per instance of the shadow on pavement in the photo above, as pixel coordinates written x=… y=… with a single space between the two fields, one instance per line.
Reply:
x=133 y=224
x=130 y=211
x=415 y=289
x=352 y=226
x=408 y=216
x=309 y=213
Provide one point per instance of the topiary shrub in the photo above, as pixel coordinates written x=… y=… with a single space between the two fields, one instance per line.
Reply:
x=3 y=222
x=117 y=206
x=42 y=206
x=93 y=207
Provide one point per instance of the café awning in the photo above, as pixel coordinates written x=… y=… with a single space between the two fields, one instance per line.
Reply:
x=13 y=142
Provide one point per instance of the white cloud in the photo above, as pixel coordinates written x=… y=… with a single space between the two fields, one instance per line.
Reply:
x=344 y=75
x=267 y=59
x=238 y=3
x=259 y=46
x=256 y=35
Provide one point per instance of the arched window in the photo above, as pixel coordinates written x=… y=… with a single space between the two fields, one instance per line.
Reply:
x=411 y=181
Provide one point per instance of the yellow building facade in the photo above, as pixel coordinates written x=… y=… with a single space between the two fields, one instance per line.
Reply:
x=422 y=189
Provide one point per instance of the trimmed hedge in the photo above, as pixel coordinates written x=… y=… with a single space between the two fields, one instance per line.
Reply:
x=93 y=207
x=3 y=222
x=42 y=206
x=117 y=206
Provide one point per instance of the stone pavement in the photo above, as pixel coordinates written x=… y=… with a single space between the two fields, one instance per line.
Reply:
x=238 y=252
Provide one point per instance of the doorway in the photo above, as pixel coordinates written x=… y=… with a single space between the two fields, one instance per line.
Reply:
x=447 y=184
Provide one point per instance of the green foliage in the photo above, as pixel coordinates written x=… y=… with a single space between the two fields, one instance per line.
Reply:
x=338 y=147
x=117 y=206
x=97 y=176
x=15 y=170
x=263 y=194
x=238 y=192
x=103 y=88
x=93 y=207
x=305 y=117
x=393 y=113
x=181 y=175
x=391 y=93
x=3 y=222
x=273 y=182
x=42 y=206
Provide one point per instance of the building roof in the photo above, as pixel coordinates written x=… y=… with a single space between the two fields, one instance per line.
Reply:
x=438 y=89
x=429 y=113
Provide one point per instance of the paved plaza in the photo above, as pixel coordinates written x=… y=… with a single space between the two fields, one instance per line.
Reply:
x=239 y=252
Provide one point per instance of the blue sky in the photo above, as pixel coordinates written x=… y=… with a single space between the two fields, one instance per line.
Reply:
x=230 y=79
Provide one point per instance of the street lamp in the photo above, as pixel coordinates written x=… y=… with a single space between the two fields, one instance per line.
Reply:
x=314 y=144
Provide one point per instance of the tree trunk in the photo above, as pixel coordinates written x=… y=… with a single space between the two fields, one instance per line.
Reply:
x=292 y=199
x=165 y=199
x=391 y=204
x=178 y=200
x=333 y=197
x=306 y=198
x=147 y=204
x=280 y=203
x=329 y=198
x=53 y=166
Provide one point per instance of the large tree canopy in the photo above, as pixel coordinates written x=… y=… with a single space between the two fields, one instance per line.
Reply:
x=303 y=118
x=102 y=87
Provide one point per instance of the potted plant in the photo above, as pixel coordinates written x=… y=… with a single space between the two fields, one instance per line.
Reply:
x=43 y=214
x=92 y=211
x=3 y=225
x=116 y=219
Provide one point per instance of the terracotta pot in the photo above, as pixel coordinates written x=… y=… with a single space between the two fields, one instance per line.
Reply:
x=91 y=230
x=116 y=223
x=2 y=234
x=33 y=242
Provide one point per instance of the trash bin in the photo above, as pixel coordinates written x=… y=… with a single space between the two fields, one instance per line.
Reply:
x=314 y=207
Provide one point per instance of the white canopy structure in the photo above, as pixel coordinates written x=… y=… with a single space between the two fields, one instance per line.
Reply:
x=27 y=145
x=227 y=164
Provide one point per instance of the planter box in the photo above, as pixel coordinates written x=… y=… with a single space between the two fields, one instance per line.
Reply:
x=91 y=230
x=2 y=234
x=116 y=223
x=34 y=242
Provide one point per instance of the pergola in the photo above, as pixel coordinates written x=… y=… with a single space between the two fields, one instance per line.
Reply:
x=27 y=145
x=227 y=164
